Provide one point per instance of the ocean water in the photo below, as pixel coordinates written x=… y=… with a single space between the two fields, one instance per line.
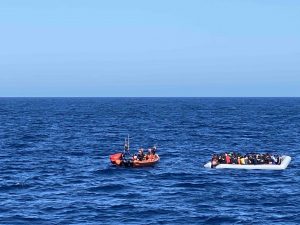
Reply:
x=54 y=166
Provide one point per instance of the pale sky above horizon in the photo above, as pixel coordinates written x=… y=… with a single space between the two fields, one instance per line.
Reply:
x=150 y=48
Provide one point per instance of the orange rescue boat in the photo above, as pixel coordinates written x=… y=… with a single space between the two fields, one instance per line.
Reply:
x=119 y=158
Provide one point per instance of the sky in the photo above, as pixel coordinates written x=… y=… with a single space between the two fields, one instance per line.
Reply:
x=151 y=48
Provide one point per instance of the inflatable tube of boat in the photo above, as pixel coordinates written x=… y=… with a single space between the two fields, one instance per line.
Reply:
x=285 y=161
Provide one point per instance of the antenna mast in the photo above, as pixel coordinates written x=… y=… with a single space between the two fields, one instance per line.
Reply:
x=128 y=141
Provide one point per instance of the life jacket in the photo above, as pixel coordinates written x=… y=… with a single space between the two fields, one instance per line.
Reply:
x=151 y=157
x=242 y=161
x=228 y=161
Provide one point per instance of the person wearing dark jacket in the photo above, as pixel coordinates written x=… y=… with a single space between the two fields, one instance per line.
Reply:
x=141 y=155
x=153 y=150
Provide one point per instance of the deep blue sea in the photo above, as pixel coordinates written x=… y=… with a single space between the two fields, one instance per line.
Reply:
x=54 y=165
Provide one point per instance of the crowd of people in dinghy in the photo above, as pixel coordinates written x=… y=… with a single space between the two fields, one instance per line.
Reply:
x=247 y=159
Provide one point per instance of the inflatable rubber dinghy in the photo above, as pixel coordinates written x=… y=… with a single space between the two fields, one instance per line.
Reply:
x=285 y=161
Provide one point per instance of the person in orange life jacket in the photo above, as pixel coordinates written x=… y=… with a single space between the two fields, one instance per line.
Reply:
x=150 y=154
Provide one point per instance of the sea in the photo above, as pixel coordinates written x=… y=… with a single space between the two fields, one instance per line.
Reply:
x=55 y=168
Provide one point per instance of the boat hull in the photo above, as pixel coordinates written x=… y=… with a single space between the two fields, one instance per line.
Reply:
x=116 y=159
x=284 y=164
x=144 y=163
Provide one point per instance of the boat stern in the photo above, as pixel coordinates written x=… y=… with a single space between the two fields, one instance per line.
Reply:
x=116 y=158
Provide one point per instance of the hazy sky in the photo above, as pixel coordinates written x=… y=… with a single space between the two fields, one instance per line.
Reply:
x=150 y=48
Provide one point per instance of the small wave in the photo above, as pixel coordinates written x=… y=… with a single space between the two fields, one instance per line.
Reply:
x=15 y=186
x=107 y=188
x=191 y=185
x=22 y=219
x=222 y=220
x=123 y=207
